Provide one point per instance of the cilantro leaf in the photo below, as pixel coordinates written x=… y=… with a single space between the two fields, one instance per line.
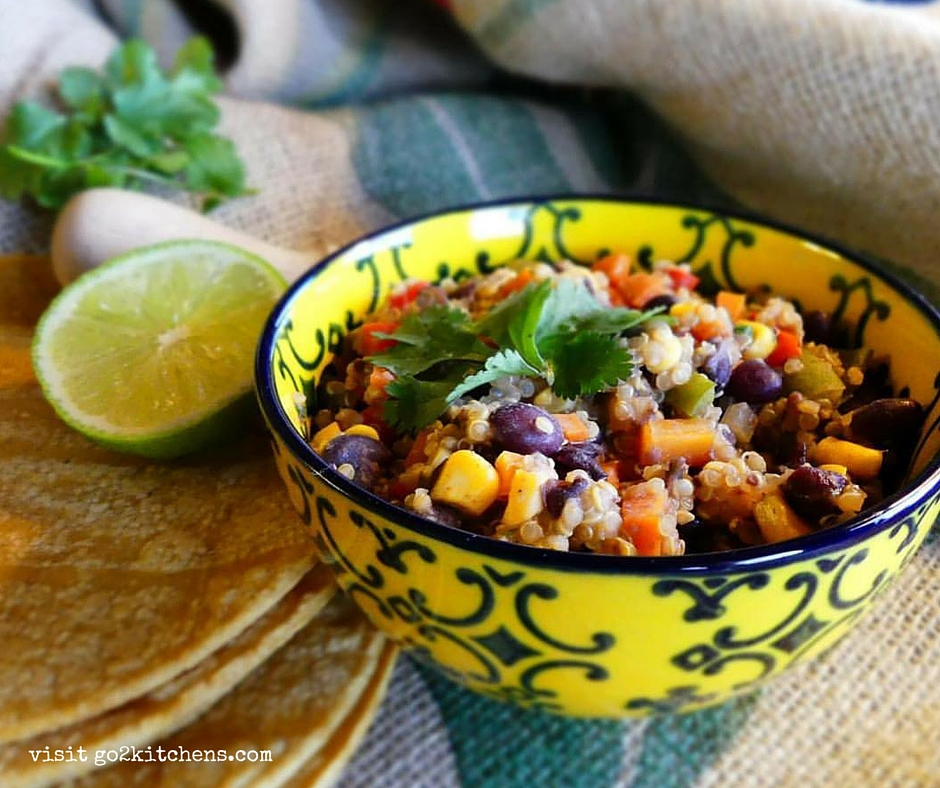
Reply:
x=612 y=321
x=429 y=337
x=415 y=403
x=499 y=365
x=124 y=126
x=556 y=330
x=588 y=362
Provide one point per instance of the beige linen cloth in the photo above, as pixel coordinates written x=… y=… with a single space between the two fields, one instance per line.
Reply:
x=351 y=113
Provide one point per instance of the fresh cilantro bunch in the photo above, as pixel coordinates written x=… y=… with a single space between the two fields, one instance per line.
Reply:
x=126 y=125
x=556 y=331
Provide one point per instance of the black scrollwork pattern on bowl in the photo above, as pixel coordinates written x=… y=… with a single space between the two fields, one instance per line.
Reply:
x=705 y=269
x=498 y=625
x=796 y=632
x=824 y=596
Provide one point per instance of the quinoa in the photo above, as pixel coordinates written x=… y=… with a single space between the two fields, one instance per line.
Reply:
x=727 y=404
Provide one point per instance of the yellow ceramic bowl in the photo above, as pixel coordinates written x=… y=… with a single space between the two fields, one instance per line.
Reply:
x=591 y=634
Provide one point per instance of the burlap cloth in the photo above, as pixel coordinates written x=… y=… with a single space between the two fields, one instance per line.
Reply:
x=822 y=113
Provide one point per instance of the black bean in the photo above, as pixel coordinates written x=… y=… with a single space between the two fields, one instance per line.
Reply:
x=557 y=493
x=526 y=429
x=444 y=515
x=366 y=455
x=887 y=423
x=666 y=300
x=699 y=537
x=717 y=366
x=755 y=381
x=817 y=327
x=812 y=491
x=579 y=456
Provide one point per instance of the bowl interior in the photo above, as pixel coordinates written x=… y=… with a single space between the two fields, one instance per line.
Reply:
x=726 y=251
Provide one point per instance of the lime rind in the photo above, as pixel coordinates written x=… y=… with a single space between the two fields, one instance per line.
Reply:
x=194 y=421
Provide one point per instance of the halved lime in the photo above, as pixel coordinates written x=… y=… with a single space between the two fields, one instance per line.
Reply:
x=151 y=353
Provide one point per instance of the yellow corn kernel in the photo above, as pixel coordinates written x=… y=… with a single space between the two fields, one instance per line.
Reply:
x=363 y=429
x=763 y=339
x=682 y=308
x=324 y=436
x=776 y=520
x=467 y=482
x=663 y=352
x=525 y=497
x=860 y=461
x=835 y=468
x=507 y=463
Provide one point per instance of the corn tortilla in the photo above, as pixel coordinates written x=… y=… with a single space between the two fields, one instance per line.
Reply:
x=117 y=574
x=175 y=704
x=290 y=705
x=324 y=768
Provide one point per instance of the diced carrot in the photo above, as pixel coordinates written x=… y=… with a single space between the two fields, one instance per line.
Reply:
x=642 y=507
x=615 y=298
x=641 y=287
x=616 y=266
x=672 y=439
x=611 y=470
x=416 y=453
x=573 y=426
x=734 y=303
x=521 y=279
x=369 y=344
x=704 y=331
x=788 y=346
x=406 y=295
x=379 y=378
x=682 y=278
x=507 y=463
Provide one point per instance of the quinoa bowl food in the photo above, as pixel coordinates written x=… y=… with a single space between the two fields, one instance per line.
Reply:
x=604 y=457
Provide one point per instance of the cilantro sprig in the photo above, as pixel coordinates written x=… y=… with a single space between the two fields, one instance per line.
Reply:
x=124 y=126
x=557 y=331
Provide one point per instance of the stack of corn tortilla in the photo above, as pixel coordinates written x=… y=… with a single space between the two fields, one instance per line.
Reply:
x=149 y=608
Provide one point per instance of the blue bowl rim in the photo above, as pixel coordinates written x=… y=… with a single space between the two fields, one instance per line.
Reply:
x=887 y=513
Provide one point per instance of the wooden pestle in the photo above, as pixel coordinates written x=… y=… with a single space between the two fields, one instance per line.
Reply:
x=99 y=224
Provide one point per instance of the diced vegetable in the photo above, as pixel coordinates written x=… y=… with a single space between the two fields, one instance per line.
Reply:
x=380 y=377
x=734 y=303
x=368 y=344
x=467 y=482
x=860 y=461
x=641 y=287
x=693 y=397
x=683 y=278
x=507 y=463
x=663 y=440
x=521 y=279
x=405 y=295
x=776 y=520
x=363 y=429
x=788 y=346
x=372 y=416
x=612 y=471
x=704 y=330
x=324 y=436
x=817 y=379
x=642 y=507
x=525 y=498
x=416 y=452
x=763 y=339
x=616 y=266
x=573 y=427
